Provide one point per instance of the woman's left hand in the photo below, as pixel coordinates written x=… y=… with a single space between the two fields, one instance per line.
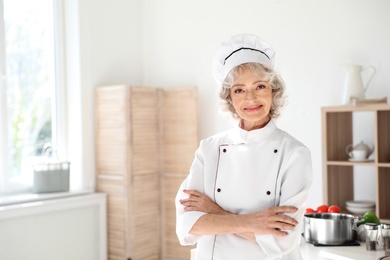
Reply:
x=197 y=201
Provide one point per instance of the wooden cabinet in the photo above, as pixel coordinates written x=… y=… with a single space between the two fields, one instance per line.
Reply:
x=338 y=132
x=145 y=141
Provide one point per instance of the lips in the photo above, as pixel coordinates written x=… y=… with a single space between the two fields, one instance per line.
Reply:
x=253 y=109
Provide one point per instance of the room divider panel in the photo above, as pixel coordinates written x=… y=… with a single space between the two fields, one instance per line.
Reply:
x=145 y=140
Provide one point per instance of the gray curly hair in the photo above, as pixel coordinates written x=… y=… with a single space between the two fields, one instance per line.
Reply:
x=261 y=72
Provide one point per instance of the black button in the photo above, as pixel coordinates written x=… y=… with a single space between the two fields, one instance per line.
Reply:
x=224 y=150
x=268 y=193
x=276 y=150
x=219 y=190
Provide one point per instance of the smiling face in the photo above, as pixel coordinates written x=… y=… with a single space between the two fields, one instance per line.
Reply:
x=252 y=99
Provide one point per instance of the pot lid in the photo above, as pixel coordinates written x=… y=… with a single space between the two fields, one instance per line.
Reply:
x=362 y=147
x=370 y=226
x=385 y=225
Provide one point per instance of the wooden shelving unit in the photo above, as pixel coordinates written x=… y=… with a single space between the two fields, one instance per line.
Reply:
x=337 y=129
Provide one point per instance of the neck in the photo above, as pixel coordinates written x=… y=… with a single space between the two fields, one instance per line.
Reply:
x=248 y=126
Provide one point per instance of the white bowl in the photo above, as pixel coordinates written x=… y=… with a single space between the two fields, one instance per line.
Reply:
x=360 y=210
x=360 y=204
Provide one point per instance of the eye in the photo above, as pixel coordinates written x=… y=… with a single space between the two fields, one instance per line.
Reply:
x=261 y=86
x=238 y=90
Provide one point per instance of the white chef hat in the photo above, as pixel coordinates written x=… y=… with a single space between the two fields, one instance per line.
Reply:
x=240 y=49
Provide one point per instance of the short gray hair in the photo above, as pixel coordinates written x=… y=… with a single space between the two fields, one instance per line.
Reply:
x=261 y=72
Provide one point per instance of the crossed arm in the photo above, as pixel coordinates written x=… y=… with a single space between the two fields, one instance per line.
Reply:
x=219 y=221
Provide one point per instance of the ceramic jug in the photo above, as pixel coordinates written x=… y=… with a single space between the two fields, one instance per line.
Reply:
x=353 y=85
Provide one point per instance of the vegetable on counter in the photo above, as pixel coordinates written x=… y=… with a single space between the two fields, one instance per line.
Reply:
x=334 y=209
x=310 y=210
x=369 y=217
x=324 y=209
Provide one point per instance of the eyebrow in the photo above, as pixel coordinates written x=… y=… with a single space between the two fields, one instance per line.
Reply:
x=253 y=83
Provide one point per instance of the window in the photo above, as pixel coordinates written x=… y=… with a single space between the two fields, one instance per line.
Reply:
x=28 y=89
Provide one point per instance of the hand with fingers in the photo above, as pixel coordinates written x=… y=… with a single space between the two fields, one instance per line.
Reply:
x=271 y=221
x=198 y=201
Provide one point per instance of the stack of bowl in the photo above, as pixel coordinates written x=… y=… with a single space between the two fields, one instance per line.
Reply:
x=360 y=206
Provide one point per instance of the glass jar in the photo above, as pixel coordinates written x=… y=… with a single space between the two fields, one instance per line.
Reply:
x=385 y=228
x=371 y=236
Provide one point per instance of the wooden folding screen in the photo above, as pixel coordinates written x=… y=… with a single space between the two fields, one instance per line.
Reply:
x=145 y=142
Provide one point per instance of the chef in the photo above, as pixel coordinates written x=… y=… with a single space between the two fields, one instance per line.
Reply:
x=244 y=197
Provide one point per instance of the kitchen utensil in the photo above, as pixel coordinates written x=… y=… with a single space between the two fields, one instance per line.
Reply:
x=360 y=206
x=360 y=151
x=360 y=203
x=329 y=228
x=353 y=85
x=371 y=236
x=385 y=230
x=357 y=210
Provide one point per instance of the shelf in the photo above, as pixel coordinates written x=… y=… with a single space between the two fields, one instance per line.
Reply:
x=348 y=163
x=357 y=108
x=338 y=130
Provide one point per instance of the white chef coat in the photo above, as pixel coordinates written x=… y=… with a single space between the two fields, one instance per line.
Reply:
x=245 y=172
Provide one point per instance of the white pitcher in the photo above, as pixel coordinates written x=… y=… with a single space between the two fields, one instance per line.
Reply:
x=353 y=85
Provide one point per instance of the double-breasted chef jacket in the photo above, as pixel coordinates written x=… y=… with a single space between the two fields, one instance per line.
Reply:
x=245 y=172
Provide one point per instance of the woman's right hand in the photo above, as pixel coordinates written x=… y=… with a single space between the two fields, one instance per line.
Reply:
x=271 y=221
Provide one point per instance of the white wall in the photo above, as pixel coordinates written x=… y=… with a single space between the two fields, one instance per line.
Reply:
x=103 y=47
x=172 y=42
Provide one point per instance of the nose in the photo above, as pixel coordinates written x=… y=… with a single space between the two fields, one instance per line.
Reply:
x=250 y=95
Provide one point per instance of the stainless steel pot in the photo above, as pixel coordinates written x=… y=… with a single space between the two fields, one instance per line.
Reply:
x=329 y=228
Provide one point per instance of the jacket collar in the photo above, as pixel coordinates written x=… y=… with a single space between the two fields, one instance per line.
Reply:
x=256 y=135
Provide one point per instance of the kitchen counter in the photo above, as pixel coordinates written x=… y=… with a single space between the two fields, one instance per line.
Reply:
x=309 y=252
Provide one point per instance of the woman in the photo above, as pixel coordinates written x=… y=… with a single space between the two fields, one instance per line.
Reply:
x=244 y=196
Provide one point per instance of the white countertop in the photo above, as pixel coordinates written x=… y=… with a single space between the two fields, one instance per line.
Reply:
x=309 y=252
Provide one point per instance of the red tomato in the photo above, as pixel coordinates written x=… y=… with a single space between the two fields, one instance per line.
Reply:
x=322 y=208
x=334 y=209
x=309 y=210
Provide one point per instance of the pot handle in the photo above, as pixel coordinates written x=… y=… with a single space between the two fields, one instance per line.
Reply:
x=306 y=230
x=349 y=148
x=357 y=220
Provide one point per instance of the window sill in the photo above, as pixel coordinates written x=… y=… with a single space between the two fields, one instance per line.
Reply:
x=6 y=200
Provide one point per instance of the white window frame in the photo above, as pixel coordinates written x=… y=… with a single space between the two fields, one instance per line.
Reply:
x=3 y=104
x=59 y=110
